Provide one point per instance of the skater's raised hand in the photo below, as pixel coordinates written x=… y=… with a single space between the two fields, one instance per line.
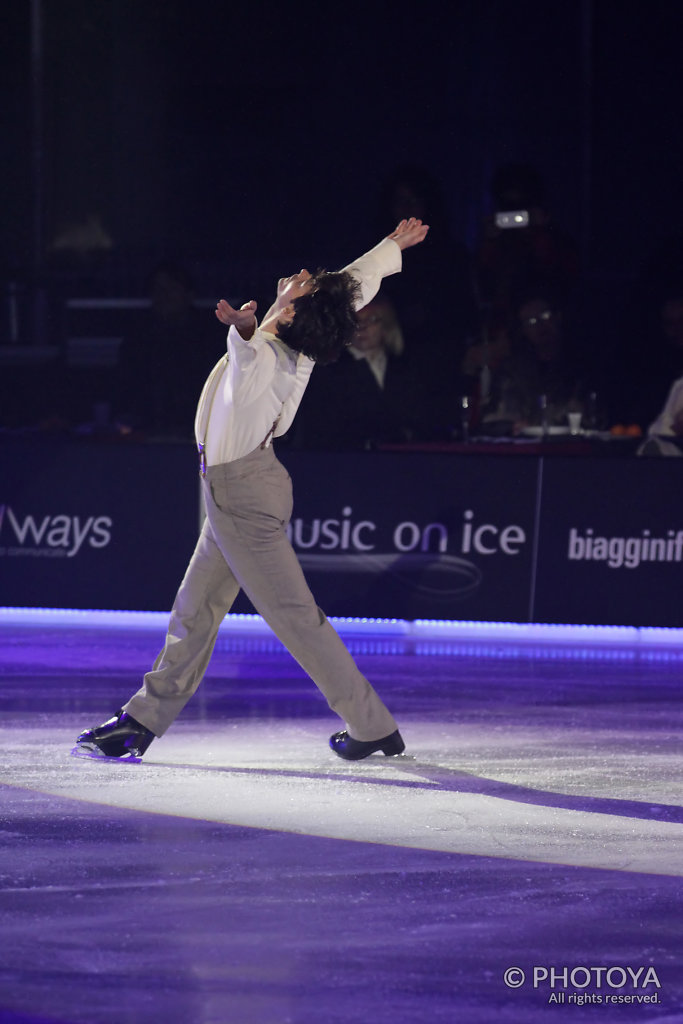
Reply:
x=244 y=318
x=409 y=232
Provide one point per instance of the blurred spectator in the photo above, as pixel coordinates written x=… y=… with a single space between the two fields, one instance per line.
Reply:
x=542 y=378
x=660 y=378
x=665 y=435
x=163 y=364
x=434 y=298
x=364 y=398
x=533 y=248
x=646 y=350
x=656 y=362
x=519 y=243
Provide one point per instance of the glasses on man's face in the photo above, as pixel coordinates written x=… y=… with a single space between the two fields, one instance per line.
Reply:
x=369 y=322
x=542 y=318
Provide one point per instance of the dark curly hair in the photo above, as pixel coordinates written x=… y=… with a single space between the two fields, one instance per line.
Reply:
x=325 y=318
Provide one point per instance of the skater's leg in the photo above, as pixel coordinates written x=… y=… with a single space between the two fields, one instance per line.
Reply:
x=248 y=511
x=206 y=594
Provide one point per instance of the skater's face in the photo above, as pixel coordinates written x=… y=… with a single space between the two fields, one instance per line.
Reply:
x=291 y=288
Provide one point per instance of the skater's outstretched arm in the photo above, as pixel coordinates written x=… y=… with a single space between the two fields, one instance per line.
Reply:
x=244 y=318
x=369 y=270
x=409 y=232
x=384 y=259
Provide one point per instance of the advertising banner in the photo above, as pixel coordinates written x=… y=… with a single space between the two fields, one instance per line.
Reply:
x=95 y=525
x=398 y=536
x=611 y=542
x=379 y=535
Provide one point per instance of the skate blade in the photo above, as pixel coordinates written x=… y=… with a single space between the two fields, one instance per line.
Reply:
x=95 y=754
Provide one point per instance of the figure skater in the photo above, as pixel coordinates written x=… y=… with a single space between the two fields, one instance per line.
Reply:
x=250 y=397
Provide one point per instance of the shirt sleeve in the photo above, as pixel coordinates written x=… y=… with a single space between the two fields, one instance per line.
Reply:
x=382 y=261
x=304 y=368
x=251 y=364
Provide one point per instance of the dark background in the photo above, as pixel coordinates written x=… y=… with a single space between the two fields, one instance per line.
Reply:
x=244 y=140
x=229 y=131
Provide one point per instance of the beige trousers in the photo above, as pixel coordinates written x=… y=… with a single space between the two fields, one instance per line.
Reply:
x=243 y=544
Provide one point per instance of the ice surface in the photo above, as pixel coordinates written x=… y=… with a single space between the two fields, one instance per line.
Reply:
x=242 y=873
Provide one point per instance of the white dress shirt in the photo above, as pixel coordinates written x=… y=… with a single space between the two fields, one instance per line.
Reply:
x=254 y=391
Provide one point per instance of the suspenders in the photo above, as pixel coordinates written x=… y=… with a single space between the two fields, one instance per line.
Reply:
x=206 y=400
x=201 y=423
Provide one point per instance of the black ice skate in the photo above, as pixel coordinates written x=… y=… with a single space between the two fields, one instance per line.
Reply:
x=355 y=750
x=121 y=736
